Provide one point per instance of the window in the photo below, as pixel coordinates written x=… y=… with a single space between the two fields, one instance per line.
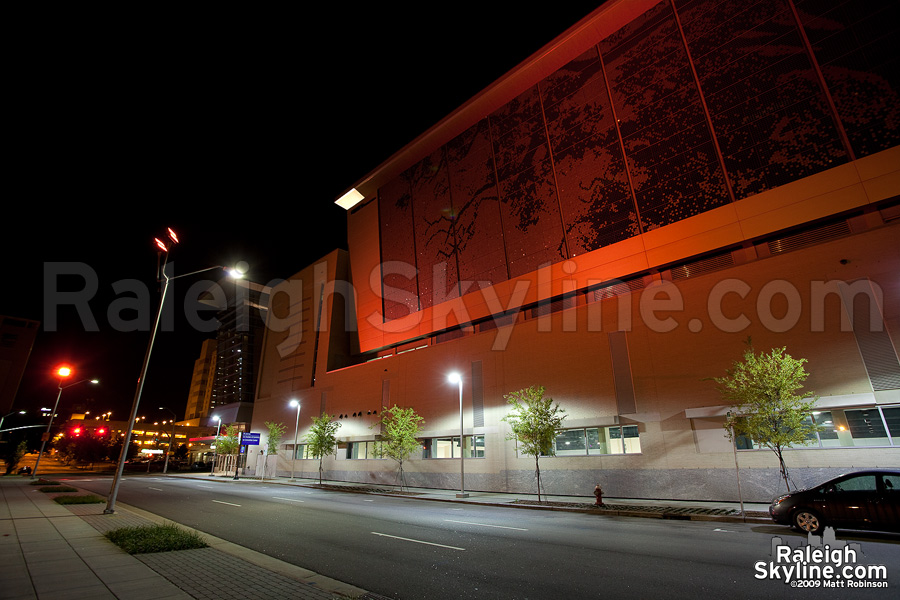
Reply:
x=301 y=451
x=449 y=447
x=618 y=439
x=876 y=426
x=362 y=450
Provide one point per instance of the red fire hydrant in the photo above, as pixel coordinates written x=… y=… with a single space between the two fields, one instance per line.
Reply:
x=598 y=494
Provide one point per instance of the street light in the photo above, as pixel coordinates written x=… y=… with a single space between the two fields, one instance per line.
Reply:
x=296 y=427
x=164 y=248
x=215 y=448
x=171 y=437
x=457 y=379
x=62 y=372
x=21 y=412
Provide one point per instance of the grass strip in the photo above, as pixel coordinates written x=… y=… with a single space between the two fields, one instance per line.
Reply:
x=44 y=482
x=88 y=499
x=155 y=538
x=57 y=488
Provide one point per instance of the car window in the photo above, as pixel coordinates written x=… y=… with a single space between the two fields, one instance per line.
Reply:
x=891 y=483
x=859 y=483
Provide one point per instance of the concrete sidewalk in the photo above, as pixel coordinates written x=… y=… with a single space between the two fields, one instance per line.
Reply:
x=52 y=551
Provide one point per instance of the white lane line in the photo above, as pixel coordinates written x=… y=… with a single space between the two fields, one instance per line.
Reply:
x=416 y=541
x=205 y=487
x=153 y=488
x=228 y=503
x=289 y=499
x=485 y=525
x=368 y=501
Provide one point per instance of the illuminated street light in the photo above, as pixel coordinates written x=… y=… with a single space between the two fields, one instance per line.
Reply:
x=457 y=379
x=21 y=412
x=62 y=372
x=296 y=427
x=164 y=248
x=215 y=448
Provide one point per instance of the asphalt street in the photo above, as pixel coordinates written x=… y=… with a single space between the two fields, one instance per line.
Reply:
x=406 y=548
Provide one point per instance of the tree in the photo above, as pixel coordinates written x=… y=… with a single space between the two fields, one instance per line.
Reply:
x=321 y=439
x=227 y=443
x=766 y=406
x=534 y=421
x=399 y=435
x=275 y=433
x=14 y=454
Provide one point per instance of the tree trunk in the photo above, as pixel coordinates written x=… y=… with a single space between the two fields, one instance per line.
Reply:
x=320 y=469
x=783 y=467
x=537 y=473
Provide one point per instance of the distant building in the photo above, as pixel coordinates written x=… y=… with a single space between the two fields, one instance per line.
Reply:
x=610 y=220
x=242 y=307
x=200 y=396
x=16 y=340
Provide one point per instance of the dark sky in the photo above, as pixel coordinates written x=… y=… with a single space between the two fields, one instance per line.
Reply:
x=238 y=130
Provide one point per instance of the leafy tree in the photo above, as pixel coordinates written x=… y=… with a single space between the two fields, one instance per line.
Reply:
x=227 y=443
x=275 y=433
x=399 y=435
x=14 y=454
x=534 y=421
x=321 y=439
x=181 y=452
x=89 y=448
x=767 y=407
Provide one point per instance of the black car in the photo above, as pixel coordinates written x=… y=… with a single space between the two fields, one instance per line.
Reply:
x=862 y=500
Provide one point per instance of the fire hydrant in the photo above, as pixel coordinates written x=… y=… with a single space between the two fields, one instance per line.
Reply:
x=598 y=494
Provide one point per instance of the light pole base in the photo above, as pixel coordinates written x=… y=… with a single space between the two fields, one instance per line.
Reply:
x=107 y=511
x=462 y=495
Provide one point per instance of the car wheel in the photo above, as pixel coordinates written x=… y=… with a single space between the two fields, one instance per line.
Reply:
x=808 y=521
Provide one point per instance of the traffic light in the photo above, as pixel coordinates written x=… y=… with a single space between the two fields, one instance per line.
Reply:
x=100 y=431
x=76 y=431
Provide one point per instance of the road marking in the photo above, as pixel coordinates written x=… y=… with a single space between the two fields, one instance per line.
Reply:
x=485 y=525
x=205 y=487
x=368 y=501
x=723 y=530
x=153 y=488
x=290 y=499
x=416 y=541
x=228 y=503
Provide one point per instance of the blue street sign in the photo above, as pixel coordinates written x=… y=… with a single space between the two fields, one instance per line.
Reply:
x=248 y=439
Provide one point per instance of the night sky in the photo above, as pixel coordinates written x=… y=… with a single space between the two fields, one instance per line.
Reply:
x=217 y=125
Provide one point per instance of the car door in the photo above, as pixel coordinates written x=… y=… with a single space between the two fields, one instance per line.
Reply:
x=886 y=508
x=850 y=501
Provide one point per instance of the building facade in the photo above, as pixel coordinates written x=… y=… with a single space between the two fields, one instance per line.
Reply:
x=200 y=396
x=611 y=220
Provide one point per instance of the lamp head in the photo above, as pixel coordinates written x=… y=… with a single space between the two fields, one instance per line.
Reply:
x=294 y=404
x=454 y=377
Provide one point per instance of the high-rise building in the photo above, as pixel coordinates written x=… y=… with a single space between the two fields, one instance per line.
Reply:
x=611 y=220
x=200 y=396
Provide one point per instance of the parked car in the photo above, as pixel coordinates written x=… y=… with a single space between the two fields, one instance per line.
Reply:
x=861 y=500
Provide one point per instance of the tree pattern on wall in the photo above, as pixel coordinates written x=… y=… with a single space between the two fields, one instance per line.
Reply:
x=623 y=140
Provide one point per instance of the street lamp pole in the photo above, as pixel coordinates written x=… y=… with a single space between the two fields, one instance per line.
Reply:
x=62 y=372
x=117 y=478
x=3 y=418
x=296 y=428
x=171 y=437
x=216 y=449
x=457 y=379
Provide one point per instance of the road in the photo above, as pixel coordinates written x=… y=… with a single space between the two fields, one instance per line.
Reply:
x=409 y=549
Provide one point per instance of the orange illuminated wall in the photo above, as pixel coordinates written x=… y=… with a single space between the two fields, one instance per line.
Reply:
x=690 y=126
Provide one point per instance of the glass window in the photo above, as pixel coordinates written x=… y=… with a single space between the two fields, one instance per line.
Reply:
x=449 y=447
x=891 y=483
x=866 y=427
x=571 y=443
x=892 y=418
x=362 y=450
x=860 y=483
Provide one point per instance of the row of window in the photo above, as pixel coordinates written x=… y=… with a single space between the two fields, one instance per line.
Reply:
x=875 y=426
x=593 y=441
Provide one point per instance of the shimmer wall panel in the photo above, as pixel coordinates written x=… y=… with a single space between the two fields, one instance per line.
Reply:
x=477 y=224
x=597 y=205
x=635 y=133
x=433 y=225
x=769 y=112
x=855 y=44
x=398 y=257
x=674 y=166
x=529 y=206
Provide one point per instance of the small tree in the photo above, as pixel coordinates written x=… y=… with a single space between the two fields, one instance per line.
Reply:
x=14 y=454
x=399 y=435
x=766 y=406
x=321 y=439
x=534 y=421
x=275 y=433
x=227 y=443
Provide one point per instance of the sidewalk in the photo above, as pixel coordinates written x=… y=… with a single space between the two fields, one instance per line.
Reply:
x=54 y=551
